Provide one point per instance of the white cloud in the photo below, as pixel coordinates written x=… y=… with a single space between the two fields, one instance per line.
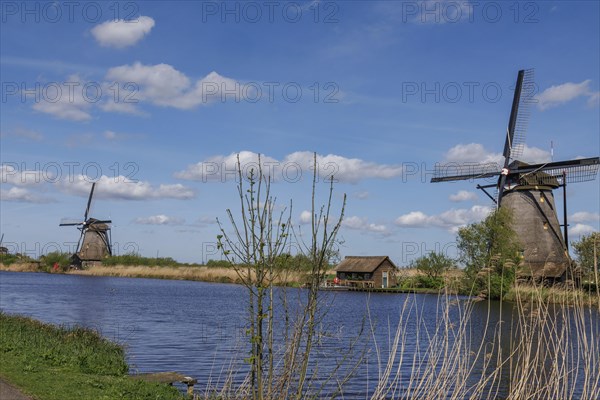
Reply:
x=584 y=216
x=451 y=219
x=561 y=94
x=291 y=168
x=160 y=219
x=581 y=229
x=362 y=224
x=305 y=217
x=123 y=188
x=121 y=33
x=475 y=153
x=126 y=86
x=68 y=100
x=22 y=195
x=414 y=219
x=13 y=176
x=163 y=85
x=121 y=106
x=534 y=155
x=463 y=195
x=344 y=169
x=223 y=168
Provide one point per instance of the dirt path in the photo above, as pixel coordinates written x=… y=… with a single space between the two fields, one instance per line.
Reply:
x=9 y=392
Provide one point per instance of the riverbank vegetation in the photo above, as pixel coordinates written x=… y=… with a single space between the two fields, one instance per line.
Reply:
x=62 y=363
x=532 y=349
x=281 y=356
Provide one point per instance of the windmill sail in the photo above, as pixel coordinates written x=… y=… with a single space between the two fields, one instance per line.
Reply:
x=579 y=170
x=460 y=172
x=517 y=124
x=519 y=115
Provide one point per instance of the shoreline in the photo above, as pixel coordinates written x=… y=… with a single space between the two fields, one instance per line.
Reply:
x=294 y=279
x=55 y=362
x=187 y=273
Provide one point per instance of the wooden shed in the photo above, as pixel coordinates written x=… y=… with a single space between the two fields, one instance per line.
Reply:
x=367 y=271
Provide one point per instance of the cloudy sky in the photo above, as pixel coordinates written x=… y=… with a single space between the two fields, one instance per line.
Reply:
x=153 y=100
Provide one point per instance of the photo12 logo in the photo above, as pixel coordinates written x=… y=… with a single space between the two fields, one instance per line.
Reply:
x=71 y=92
x=68 y=11
x=252 y=12
x=22 y=173
x=413 y=250
x=451 y=12
x=466 y=92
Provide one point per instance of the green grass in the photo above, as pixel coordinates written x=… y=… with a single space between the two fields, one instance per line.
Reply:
x=8 y=259
x=136 y=259
x=50 y=362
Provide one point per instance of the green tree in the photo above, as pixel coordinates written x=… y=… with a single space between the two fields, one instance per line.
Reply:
x=432 y=267
x=587 y=250
x=490 y=252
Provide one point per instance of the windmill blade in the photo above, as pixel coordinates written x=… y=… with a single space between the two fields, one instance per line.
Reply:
x=582 y=170
x=89 y=203
x=461 y=172
x=71 y=222
x=1 y=239
x=519 y=116
x=79 y=241
x=517 y=123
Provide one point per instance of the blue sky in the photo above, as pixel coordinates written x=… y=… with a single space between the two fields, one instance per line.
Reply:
x=154 y=99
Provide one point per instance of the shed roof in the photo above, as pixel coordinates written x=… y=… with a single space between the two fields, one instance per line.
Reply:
x=362 y=263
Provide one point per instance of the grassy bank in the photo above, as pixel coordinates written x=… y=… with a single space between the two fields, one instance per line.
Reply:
x=50 y=362
x=553 y=295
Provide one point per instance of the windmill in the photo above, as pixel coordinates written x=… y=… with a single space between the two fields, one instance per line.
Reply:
x=95 y=240
x=3 y=250
x=528 y=189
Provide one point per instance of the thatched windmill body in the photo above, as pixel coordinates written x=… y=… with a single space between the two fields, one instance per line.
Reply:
x=94 y=243
x=528 y=190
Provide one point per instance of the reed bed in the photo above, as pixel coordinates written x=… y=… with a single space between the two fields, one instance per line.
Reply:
x=20 y=267
x=542 y=347
x=200 y=273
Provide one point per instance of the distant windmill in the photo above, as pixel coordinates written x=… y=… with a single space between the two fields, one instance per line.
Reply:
x=95 y=240
x=527 y=189
x=3 y=250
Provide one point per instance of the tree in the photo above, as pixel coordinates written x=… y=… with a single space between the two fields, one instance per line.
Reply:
x=490 y=251
x=433 y=266
x=255 y=247
x=587 y=250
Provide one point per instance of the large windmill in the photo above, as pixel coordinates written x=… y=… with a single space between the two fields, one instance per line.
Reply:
x=527 y=189
x=95 y=241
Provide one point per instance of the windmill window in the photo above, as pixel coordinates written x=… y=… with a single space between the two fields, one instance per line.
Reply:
x=541 y=198
x=545 y=226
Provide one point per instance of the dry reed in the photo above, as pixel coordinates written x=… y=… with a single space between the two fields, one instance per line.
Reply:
x=550 y=349
x=204 y=274
x=20 y=267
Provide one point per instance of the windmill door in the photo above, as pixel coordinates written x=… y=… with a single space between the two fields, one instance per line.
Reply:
x=384 y=280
